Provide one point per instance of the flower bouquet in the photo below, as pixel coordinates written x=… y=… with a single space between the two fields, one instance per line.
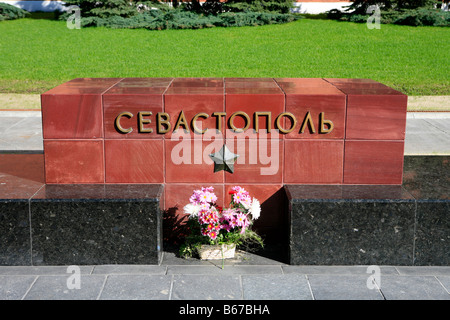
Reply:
x=224 y=228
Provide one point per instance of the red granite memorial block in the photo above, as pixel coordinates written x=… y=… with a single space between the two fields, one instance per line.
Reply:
x=376 y=116
x=177 y=194
x=131 y=107
x=134 y=131
x=373 y=162
x=318 y=107
x=374 y=111
x=134 y=161
x=262 y=192
x=272 y=221
x=252 y=105
x=313 y=161
x=82 y=116
x=188 y=161
x=258 y=161
x=74 y=161
x=194 y=107
x=73 y=110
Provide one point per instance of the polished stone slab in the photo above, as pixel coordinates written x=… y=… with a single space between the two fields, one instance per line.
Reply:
x=364 y=230
x=96 y=224
x=427 y=179
x=74 y=224
x=15 y=241
x=74 y=161
x=385 y=224
x=432 y=233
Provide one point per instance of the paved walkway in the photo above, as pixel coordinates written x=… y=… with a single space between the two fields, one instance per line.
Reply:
x=248 y=277
x=245 y=278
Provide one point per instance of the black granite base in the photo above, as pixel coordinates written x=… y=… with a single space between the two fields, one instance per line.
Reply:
x=83 y=224
x=15 y=242
x=384 y=225
x=343 y=229
x=427 y=178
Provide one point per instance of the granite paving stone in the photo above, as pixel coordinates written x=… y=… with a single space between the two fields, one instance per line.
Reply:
x=342 y=287
x=51 y=287
x=276 y=287
x=206 y=287
x=413 y=288
x=136 y=287
x=15 y=287
x=445 y=281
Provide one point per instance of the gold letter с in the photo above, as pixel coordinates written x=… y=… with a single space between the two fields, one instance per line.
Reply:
x=117 y=122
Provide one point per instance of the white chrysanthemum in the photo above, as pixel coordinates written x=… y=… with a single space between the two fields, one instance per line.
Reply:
x=246 y=202
x=191 y=209
x=255 y=209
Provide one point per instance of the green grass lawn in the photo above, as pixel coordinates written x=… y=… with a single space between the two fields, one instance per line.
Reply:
x=36 y=55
